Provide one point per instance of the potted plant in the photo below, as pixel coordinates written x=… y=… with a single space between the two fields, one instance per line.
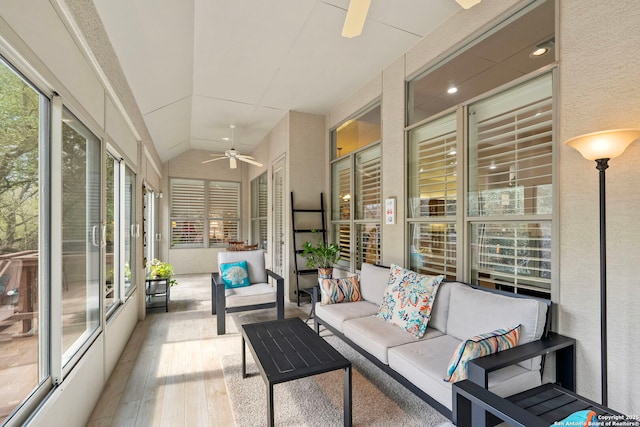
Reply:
x=161 y=270
x=321 y=256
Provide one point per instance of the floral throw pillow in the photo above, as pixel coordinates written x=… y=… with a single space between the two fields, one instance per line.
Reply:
x=478 y=346
x=234 y=274
x=408 y=299
x=345 y=289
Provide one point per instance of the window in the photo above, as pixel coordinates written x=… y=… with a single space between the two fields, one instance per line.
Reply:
x=224 y=213
x=433 y=190
x=259 y=198
x=82 y=236
x=510 y=187
x=356 y=190
x=23 y=241
x=187 y=213
x=189 y=210
x=480 y=163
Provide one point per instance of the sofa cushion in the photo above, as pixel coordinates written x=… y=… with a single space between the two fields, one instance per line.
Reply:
x=335 y=314
x=373 y=282
x=440 y=308
x=376 y=336
x=424 y=361
x=408 y=298
x=344 y=289
x=259 y=293
x=234 y=274
x=478 y=346
x=474 y=311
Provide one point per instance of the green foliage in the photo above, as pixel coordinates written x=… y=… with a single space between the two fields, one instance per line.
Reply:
x=320 y=255
x=159 y=270
x=19 y=137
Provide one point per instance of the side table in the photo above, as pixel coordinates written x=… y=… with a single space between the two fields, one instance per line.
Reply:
x=158 y=292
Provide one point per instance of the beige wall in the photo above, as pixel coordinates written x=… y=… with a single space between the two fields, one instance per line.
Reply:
x=599 y=90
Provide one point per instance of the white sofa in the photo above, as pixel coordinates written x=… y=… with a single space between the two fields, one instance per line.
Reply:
x=459 y=312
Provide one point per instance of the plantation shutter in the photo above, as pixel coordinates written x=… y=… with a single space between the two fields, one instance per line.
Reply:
x=510 y=175
x=224 y=212
x=433 y=165
x=368 y=184
x=187 y=213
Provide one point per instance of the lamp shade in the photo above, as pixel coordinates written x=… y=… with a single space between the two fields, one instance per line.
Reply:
x=607 y=144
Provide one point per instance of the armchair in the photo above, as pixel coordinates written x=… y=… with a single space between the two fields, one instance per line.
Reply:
x=258 y=295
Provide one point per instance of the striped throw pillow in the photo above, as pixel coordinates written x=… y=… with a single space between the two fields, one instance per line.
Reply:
x=345 y=289
x=478 y=346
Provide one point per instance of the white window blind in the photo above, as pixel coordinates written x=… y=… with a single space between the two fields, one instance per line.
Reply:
x=433 y=249
x=513 y=256
x=368 y=184
x=342 y=233
x=367 y=244
x=341 y=190
x=224 y=212
x=511 y=151
x=432 y=169
x=187 y=213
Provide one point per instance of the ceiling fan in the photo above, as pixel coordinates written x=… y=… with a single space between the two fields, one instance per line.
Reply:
x=357 y=14
x=233 y=155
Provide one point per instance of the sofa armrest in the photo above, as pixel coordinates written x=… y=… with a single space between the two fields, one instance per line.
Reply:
x=563 y=346
x=468 y=395
x=279 y=292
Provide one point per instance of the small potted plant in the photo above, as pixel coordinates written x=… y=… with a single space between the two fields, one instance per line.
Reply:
x=161 y=270
x=321 y=256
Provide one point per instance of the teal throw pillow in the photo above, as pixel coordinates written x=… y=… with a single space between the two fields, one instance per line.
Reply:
x=234 y=274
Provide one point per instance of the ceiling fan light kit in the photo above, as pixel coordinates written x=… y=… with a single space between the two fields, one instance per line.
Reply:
x=233 y=155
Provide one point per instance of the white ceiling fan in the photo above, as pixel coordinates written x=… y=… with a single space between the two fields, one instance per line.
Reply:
x=358 y=10
x=233 y=155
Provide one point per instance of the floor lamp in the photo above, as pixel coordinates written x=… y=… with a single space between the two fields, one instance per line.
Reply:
x=601 y=147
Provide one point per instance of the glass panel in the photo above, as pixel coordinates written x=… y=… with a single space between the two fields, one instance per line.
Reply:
x=342 y=237
x=259 y=206
x=21 y=108
x=81 y=234
x=131 y=230
x=224 y=212
x=278 y=220
x=432 y=169
x=187 y=213
x=511 y=151
x=368 y=244
x=499 y=57
x=512 y=256
x=368 y=189
x=433 y=249
x=341 y=190
x=356 y=133
x=112 y=283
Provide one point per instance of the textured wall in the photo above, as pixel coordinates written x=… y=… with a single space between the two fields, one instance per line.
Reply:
x=599 y=89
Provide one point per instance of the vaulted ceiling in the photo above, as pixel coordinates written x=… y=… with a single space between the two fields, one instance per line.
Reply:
x=197 y=66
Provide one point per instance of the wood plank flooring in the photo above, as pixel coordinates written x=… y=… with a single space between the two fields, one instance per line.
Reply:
x=169 y=373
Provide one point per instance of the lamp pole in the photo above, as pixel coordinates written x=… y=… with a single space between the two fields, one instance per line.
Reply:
x=602 y=165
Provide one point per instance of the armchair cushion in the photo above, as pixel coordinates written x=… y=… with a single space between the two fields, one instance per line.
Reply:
x=254 y=259
x=234 y=274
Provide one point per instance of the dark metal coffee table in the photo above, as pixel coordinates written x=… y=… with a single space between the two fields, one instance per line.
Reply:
x=288 y=349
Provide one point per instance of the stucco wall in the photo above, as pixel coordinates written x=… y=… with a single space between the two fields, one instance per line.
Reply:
x=599 y=90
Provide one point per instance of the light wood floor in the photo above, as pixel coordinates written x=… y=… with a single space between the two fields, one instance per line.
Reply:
x=169 y=373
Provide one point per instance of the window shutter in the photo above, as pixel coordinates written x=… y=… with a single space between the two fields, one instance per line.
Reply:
x=224 y=212
x=187 y=213
x=511 y=152
x=433 y=165
x=368 y=184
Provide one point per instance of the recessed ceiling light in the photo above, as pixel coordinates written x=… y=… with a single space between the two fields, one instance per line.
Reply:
x=452 y=152
x=542 y=48
x=452 y=89
x=492 y=166
x=226 y=138
x=539 y=52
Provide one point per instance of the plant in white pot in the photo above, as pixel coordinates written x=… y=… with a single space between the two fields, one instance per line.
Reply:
x=321 y=256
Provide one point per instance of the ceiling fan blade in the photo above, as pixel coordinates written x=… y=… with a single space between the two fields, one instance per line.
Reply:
x=232 y=163
x=249 y=160
x=213 y=160
x=242 y=156
x=467 y=4
x=356 y=15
